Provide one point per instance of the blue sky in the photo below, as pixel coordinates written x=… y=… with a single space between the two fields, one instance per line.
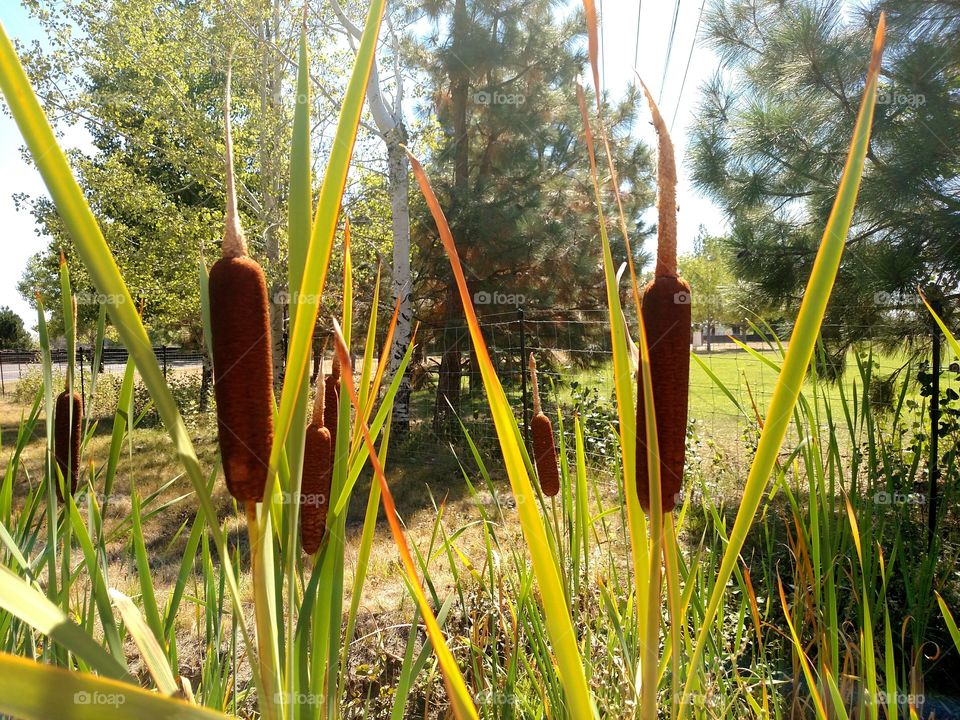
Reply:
x=621 y=43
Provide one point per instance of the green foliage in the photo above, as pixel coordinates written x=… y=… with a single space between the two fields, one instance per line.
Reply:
x=771 y=138
x=13 y=335
x=511 y=167
x=717 y=297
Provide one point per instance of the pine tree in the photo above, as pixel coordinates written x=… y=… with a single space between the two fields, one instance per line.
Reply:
x=511 y=169
x=770 y=147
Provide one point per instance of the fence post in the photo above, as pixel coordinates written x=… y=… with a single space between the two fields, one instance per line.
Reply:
x=163 y=352
x=523 y=376
x=934 y=468
x=3 y=387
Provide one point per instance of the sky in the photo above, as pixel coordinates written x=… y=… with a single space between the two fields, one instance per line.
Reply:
x=622 y=40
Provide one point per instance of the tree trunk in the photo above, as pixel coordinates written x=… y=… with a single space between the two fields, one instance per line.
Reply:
x=448 y=393
x=271 y=72
x=397 y=173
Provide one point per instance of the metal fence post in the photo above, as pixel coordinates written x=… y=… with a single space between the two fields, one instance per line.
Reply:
x=163 y=352
x=523 y=376
x=934 y=467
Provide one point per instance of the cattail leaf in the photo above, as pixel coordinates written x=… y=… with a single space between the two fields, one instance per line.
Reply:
x=146 y=641
x=460 y=699
x=624 y=382
x=299 y=224
x=799 y=352
x=92 y=249
x=324 y=228
x=99 y=586
x=949 y=621
x=951 y=340
x=147 y=595
x=33 y=691
x=557 y=617
x=122 y=427
x=49 y=465
x=21 y=600
x=358 y=454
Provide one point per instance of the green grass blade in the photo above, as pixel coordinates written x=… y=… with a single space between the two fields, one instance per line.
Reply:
x=21 y=600
x=324 y=228
x=799 y=353
x=32 y=691
x=92 y=249
x=559 y=626
x=146 y=641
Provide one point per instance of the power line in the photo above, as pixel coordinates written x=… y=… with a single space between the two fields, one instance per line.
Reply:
x=666 y=61
x=686 y=70
x=636 y=46
x=603 y=56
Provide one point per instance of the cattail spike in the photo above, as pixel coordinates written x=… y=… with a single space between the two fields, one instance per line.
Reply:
x=234 y=242
x=545 y=454
x=666 y=195
x=667 y=319
x=335 y=368
x=242 y=356
x=535 y=385
x=544 y=446
x=68 y=414
x=315 y=485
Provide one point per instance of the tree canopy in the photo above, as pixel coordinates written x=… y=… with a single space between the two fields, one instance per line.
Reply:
x=772 y=135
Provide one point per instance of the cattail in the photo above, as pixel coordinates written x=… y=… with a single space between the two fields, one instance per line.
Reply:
x=666 y=315
x=316 y=477
x=242 y=363
x=331 y=389
x=66 y=426
x=544 y=449
x=66 y=438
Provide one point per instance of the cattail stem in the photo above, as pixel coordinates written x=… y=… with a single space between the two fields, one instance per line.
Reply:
x=234 y=242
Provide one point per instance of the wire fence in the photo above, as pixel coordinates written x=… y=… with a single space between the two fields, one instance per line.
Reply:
x=574 y=361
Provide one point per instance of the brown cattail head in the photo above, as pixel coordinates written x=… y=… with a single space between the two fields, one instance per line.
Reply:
x=544 y=447
x=315 y=485
x=666 y=316
x=66 y=439
x=242 y=362
x=545 y=454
